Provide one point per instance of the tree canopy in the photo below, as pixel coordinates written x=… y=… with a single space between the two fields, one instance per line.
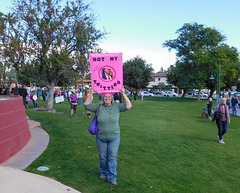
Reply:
x=137 y=73
x=47 y=41
x=200 y=50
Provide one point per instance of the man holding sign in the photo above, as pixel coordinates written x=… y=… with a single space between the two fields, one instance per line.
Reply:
x=108 y=112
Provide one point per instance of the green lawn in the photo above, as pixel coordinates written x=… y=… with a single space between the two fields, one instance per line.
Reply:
x=165 y=147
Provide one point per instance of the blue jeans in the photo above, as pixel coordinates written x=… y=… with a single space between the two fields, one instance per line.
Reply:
x=108 y=152
x=79 y=101
x=234 y=110
x=222 y=128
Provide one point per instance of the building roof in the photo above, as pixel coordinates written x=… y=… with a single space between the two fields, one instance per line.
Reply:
x=161 y=74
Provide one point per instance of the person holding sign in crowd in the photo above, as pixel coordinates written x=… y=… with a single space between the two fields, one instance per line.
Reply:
x=108 y=135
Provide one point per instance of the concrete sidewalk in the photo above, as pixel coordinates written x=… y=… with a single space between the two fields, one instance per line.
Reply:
x=18 y=181
x=13 y=180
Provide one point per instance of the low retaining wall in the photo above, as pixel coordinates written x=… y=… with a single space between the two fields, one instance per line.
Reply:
x=14 y=129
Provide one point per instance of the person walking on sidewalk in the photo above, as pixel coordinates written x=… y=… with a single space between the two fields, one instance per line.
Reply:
x=222 y=124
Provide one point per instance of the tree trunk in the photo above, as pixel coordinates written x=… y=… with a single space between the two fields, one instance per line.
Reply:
x=211 y=93
x=75 y=81
x=184 y=92
x=4 y=75
x=82 y=82
x=51 y=96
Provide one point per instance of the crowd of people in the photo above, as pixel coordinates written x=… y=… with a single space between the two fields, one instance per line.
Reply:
x=16 y=89
x=32 y=93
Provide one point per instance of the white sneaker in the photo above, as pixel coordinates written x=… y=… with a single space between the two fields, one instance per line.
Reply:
x=221 y=141
x=114 y=183
x=103 y=178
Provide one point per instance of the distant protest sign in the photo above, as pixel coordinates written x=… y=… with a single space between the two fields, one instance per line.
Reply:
x=106 y=72
x=59 y=99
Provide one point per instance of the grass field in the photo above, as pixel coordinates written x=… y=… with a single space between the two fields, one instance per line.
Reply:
x=165 y=147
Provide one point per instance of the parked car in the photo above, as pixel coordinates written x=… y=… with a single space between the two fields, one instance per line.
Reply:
x=157 y=92
x=203 y=95
x=191 y=92
x=237 y=93
x=146 y=93
x=170 y=94
x=162 y=92
x=204 y=92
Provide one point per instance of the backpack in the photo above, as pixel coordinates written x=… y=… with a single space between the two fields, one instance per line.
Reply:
x=217 y=116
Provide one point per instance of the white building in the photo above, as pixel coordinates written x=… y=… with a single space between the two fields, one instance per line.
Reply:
x=158 y=78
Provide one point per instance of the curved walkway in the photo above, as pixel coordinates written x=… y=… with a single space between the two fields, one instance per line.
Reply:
x=13 y=180
x=35 y=147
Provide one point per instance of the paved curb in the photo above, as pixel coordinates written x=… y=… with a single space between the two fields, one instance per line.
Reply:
x=13 y=180
x=35 y=147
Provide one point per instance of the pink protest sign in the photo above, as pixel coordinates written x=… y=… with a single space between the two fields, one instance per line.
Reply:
x=106 y=72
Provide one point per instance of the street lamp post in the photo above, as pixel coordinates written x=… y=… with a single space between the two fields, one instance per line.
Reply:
x=218 y=83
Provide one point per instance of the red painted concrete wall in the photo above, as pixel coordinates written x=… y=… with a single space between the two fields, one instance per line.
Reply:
x=14 y=129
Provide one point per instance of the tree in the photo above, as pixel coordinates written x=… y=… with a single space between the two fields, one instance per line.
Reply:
x=46 y=37
x=83 y=66
x=3 y=72
x=178 y=75
x=198 y=50
x=161 y=85
x=161 y=70
x=172 y=75
x=137 y=73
